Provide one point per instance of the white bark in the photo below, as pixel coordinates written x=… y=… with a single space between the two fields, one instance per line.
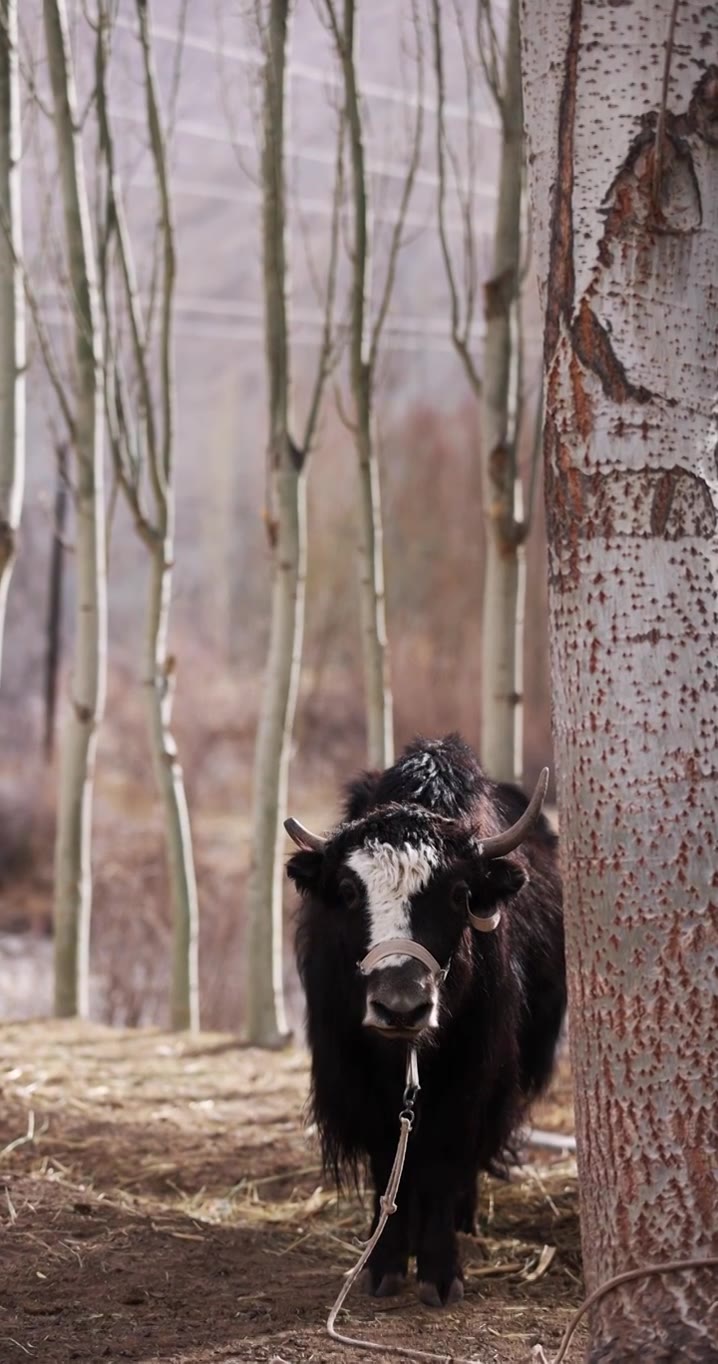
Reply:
x=362 y=361
x=496 y=390
x=12 y=307
x=170 y=783
x=504 y=570
x=72 y=849
x=266 y=1019
x=155 y=529
x=168 y=771
x=631 y=354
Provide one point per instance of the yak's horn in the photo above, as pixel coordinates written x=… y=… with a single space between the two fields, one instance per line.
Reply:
x=304 y=838
x=508 y=839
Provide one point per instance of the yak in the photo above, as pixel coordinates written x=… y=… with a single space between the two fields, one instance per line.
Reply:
x=430 y=916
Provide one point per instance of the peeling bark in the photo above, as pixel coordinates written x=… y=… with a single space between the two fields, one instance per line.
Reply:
x=631 y=353
x=12 y=307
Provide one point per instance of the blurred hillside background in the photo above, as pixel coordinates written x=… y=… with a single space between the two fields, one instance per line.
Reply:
x=209 y=68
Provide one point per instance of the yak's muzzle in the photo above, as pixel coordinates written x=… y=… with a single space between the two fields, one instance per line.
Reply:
x=402 y=996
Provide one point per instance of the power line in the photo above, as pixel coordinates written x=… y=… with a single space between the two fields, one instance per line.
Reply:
x=249 y=56
x=254 y=335
x=386 y=170
x=250 y=198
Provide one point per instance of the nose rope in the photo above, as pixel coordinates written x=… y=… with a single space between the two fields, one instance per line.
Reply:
x=387 y=1204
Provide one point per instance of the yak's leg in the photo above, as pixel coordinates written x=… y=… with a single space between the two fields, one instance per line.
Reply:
x=438 y=1269
x=466 y=1209
x=386 y=1271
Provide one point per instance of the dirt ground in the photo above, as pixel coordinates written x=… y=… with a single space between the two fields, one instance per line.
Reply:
x=162 y=1201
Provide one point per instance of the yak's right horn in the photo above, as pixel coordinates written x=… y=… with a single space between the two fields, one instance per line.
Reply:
x=508 y=839
x=304 y=838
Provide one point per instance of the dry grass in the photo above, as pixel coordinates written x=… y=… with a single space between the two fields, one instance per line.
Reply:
x=180 y=1172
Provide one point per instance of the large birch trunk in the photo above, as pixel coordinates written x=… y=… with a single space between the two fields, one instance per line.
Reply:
x=72 y=848
x=375 y=644
x=12 y=307
x=266 y=1021
x=504 y=573
x=628 y=266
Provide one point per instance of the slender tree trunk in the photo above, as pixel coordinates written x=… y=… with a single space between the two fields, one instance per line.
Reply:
x=12 y=307
x=375 y=645
x=72 y=849
x=54 y=604
x=160 y=666
x=626 y=223
x=170 y=783
x=266 y=1020
x=504 y=574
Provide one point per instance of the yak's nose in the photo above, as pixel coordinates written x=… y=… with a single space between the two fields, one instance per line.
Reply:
x=407 y=1017
x=400 y=999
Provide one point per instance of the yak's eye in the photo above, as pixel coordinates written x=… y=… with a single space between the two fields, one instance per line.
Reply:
x=349 y=892
x=460 y=895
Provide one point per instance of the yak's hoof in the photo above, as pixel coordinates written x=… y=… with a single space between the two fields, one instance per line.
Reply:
x=433 y=1295
x=387 y=1287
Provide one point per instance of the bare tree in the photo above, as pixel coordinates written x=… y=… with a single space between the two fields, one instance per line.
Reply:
x=73 y=887
x=624 y=172
x=365 y=337
x=145 y=448
x=286 y=527
x=12 y=310
x=499 y=386
x=53 y=628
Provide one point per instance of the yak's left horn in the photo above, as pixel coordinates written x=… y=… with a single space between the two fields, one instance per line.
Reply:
x=508 y=839
x=304 y=838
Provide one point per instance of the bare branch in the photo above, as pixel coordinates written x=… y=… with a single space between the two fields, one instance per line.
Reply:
x=397 y=233
x=488 y=49
x=459 y=334
x=661 y=124
x=177 y=70
x=327 y=352
x=48 y=357
x=344 y=417
x=224 y=92
x=344 y=43
x=535 y=461
x=159 y=157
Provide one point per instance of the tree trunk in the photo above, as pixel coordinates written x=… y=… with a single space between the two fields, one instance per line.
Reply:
x=375 y=645
x=12 y=307
x=53 y=652
x=266 y=1020
x=160 y=666
x=72 y=849
x=504 y=575
x=627 y=263
x=170 y=783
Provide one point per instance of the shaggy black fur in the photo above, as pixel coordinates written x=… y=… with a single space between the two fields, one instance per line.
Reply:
x=501 y=1006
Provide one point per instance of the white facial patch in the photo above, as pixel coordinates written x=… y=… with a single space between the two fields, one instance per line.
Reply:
x=391 y=876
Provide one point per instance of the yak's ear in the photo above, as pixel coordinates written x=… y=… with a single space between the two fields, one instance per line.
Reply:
x=504 y=878
x=498 y=879
x=304 y=869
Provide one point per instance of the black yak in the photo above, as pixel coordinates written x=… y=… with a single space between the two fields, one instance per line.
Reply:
x=432 y=914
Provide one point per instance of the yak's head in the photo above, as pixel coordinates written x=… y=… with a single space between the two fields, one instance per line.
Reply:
x=391 y=896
